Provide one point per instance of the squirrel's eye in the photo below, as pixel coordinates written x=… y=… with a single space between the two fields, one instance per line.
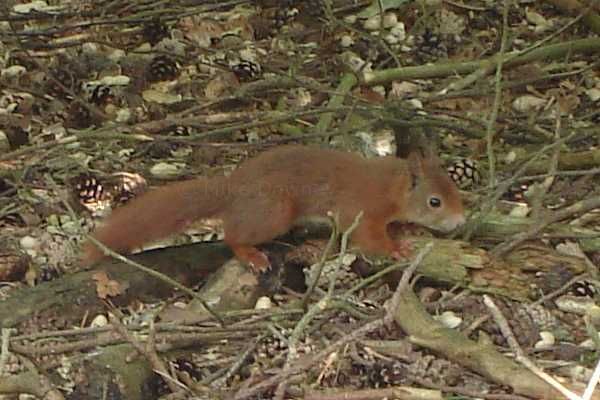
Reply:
x=435 y=202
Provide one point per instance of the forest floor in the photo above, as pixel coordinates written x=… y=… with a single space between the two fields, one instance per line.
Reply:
x=102 y=99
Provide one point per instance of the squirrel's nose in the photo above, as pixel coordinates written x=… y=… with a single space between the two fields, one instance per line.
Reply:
x=454 y=222
x=460 y=220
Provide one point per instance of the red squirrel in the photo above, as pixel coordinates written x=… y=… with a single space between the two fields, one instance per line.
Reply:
x=266 y=195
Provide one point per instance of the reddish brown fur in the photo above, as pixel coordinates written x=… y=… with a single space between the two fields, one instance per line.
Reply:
x=266 y=195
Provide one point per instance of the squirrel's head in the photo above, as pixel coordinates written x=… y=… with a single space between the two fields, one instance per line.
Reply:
x=433 y=198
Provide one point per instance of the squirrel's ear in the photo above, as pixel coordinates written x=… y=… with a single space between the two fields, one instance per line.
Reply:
x=411 y=140
x=429 y=153
x=430 y=157
x=404 y=142
x=416 y=165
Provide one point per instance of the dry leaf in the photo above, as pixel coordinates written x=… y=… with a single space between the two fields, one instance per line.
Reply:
x=220 y=84
x=202 y=31
x=106 y=287
x=528 y=103
x=242 y=27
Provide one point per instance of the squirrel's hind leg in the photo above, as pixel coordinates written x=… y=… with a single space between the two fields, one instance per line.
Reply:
x=254 y=222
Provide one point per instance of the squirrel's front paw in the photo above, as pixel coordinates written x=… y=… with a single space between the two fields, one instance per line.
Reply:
x=403 y=249
x=256 y=259
x=259 y=262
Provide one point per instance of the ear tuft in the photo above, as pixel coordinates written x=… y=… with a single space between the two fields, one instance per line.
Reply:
x=416 y=165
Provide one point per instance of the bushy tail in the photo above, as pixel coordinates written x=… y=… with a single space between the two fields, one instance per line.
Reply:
x=158 y=214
